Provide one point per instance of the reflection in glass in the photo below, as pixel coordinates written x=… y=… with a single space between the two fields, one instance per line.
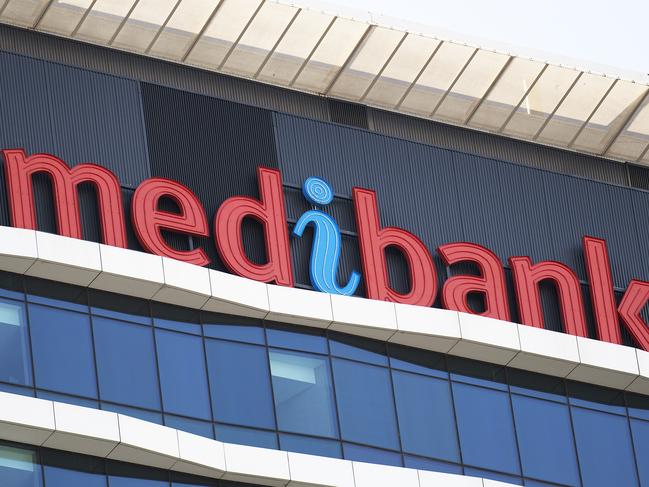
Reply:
x=19 y=467
x=303 y=393
x=15 y=363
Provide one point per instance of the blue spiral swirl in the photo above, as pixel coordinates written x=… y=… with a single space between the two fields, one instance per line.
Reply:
x=317 y=191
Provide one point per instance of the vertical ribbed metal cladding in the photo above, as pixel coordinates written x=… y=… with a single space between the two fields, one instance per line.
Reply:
x=497 y=147
x=577 y=207
x=348 y=113
x=211 y=146
x=638 y=176
x=110 y=61
x=76 y=115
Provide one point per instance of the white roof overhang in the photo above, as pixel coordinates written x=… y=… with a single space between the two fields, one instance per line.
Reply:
x=362 y=61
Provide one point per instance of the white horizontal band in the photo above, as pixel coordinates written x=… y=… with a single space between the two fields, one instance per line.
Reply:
x=148 y=276
x=115 y=436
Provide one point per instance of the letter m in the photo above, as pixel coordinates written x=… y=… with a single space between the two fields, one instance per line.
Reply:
x=19 y=170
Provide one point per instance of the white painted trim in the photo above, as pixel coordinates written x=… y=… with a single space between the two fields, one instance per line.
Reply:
x=81 y=262
x=105 y=434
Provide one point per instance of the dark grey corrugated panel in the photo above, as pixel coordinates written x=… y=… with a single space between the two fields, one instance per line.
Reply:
x=348 y=113
x=638 y=176
x=142 y=68
x=211 y=146
x=77 y=115
x=497 y=147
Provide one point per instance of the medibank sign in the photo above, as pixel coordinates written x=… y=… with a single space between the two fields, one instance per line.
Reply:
x=149 y=221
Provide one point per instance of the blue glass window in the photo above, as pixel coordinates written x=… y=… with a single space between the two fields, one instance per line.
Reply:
x=241 y=330
x=15 y=361
x=289 y=337
x=357 y=348
x=310 y=445
x=303 y=393
x=194 y=426
x=126 y=363
x=246 y=436
x=143 y=414
x=545 y=440
x=130 y=475
x=371 y=455
x=433 y=465
x=62 y=477
x=604 y=446
x=640 y=430
x=365 y=404
x=62 y=348
x=426 y=418
x=183 y=379
x=486 y=428
x=240 y=383
x=19 y=467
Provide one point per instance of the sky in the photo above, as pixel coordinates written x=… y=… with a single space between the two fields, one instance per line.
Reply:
x=611 y=33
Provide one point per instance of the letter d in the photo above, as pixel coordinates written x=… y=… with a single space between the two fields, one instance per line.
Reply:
x=373 y=241
x=269 y=211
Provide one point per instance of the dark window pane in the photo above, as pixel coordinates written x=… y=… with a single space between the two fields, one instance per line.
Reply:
x=638 y=406
x=640 y=430
x=426 y=418
x=418 y=361
x=62 y=348
x=233 y=328
x=15 y=362
x=536 y=385
x=595 y=397
x=478 y=373
x=200 y=428
x=432 y=465
x=11 y=286
x=246 y=436
x=186 y=480
x=175 y=318
x=604 y=447
x=357 y=348
x=183 y=379
x=126 y=363
x=61 y=477
x=120 y=307
x=309 y=445
x=240 y=384
x=303 y=393
x=23 y=391
x=56 y=294
x=371 y=455
x=130 y=475
x=288 y=337
x=486 y=428
x=19 y=467
x=365 y=404
x=545 y=440
x=79 y=401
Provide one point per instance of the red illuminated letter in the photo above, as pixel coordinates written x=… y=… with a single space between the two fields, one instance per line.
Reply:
x=490 y=283
x=598 y=267
x=634 y=300
x=20 y=169
x=269 y=211
x=373 y=240
x=148 y=220
x=526 y=280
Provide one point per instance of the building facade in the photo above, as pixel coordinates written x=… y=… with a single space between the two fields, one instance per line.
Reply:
x=227 y=264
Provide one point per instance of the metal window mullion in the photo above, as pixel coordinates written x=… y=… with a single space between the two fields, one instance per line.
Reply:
x=274 y=48
x=162 y=27
x=42 y=13
x=421 y=72
x=592 y=114
x=624 y=126
x=123 y=22
x=350 y=58
x=383 y=68
x=240 y=36
x=558 y=105
x=455 y=80
x=209 y=20
x=525 y=95
x=83 y=18
x=489 y=90
x=310 y=55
